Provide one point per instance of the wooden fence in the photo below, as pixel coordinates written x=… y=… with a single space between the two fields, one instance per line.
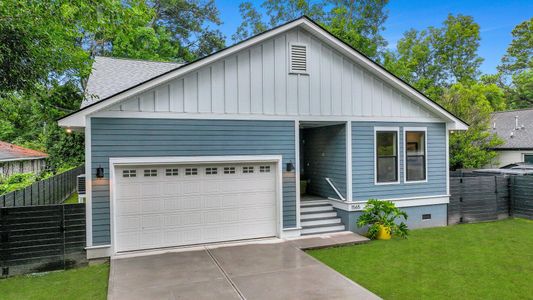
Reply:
x=522 y=196
x=52 y=190
x=41 y=238
x=485 y=198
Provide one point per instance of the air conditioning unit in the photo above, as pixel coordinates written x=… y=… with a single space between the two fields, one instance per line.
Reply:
x=81 y=188
x=81 y=184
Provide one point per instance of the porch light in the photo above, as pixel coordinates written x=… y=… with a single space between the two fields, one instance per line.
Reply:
x=68 y=131
x=99 y=172
x=290 y=167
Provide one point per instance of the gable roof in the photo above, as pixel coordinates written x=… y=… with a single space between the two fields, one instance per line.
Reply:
x=504 y=123
x=77 y=119
x=10 y=152
x=125 y=74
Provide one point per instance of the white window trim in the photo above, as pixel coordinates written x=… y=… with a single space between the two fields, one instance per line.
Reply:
x=419 y=129
x=524 y=155
x=164 y=160
x=374 y=154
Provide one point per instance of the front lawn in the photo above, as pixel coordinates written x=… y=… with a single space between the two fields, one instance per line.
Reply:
x=72 y=199
x=491 y=260
x=83 y=283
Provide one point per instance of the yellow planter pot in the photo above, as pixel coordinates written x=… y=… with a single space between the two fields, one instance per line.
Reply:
x=383 y=233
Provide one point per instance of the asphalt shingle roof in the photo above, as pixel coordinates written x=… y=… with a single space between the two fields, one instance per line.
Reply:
x=10 y=152
x=112 y=75
x=503 y=123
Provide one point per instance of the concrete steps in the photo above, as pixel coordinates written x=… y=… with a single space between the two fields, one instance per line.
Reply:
x=318 y=216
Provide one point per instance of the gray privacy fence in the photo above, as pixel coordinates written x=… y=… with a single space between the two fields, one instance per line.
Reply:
x=41 y=238
x=52 y=190
x=485 y=198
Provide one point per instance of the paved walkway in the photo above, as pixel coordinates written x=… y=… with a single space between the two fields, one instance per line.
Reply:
x=254 y=271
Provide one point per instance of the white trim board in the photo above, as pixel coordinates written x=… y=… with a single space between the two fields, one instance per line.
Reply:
x=251 y=116
x=77 y=119
x=399 y=202
x=127 y=161
x=398 y=153
x=415 y=129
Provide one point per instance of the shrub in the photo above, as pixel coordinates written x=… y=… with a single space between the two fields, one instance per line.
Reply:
x=16 y=182
x=384 y=213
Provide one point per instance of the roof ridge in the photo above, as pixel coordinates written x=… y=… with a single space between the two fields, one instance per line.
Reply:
x=513 y=110
x=141 y=60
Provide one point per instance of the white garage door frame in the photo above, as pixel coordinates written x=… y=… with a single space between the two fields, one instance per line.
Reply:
x=164 y=160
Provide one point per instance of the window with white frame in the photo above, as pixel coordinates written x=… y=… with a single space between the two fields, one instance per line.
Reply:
x=415 y=155
x=248 y=169
x=386 y=156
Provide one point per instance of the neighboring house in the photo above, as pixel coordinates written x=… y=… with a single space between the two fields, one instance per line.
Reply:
x=515 y=128
x=16 y=159
x=214 y=150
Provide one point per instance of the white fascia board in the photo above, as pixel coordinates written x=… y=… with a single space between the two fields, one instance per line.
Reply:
x=78 y=119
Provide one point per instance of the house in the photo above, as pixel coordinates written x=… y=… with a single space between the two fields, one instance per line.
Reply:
x=515 y=128
x=16 y=159
x=214 y=150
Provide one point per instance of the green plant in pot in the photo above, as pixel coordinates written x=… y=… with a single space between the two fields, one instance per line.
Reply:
x=382 y=218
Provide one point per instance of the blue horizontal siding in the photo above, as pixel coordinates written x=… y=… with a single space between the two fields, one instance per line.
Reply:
x=363 y=161
x=130 y=137
x=324 y=154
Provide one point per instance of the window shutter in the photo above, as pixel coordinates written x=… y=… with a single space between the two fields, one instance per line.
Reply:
x=298 y=58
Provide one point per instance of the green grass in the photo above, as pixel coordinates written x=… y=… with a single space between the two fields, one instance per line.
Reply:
x=491 y=260
x=72 y=199
x=83 y=283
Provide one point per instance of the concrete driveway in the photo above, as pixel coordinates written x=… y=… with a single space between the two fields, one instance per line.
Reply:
x=253 y=271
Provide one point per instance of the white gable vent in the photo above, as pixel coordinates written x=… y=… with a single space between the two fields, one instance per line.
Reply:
x=298 y=58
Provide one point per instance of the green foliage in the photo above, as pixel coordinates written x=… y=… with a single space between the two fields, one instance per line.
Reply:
x=474 y=104
x=383 y=213
x=520 y=94
x=517 y=67
x=519 y=56
x=358 y=23
x=46 y=49
x=434 y=58
x=16 y=182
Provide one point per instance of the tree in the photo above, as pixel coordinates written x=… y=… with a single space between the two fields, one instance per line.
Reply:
x=519 y=56
x=46 y=51
x=276 y=12
x=473 y=104
x=437 y=57
x=251 y=25
x=37 y=44
x=359 y=23
x=516 y=68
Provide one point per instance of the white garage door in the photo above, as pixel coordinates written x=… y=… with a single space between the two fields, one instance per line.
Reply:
x=173 y=205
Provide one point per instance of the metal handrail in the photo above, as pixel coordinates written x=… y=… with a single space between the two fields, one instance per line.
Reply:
x=334 y=188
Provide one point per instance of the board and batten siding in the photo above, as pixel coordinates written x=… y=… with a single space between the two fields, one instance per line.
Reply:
x=324 y=152
x=128 y=137
x=256 y=81
x=364 y=158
